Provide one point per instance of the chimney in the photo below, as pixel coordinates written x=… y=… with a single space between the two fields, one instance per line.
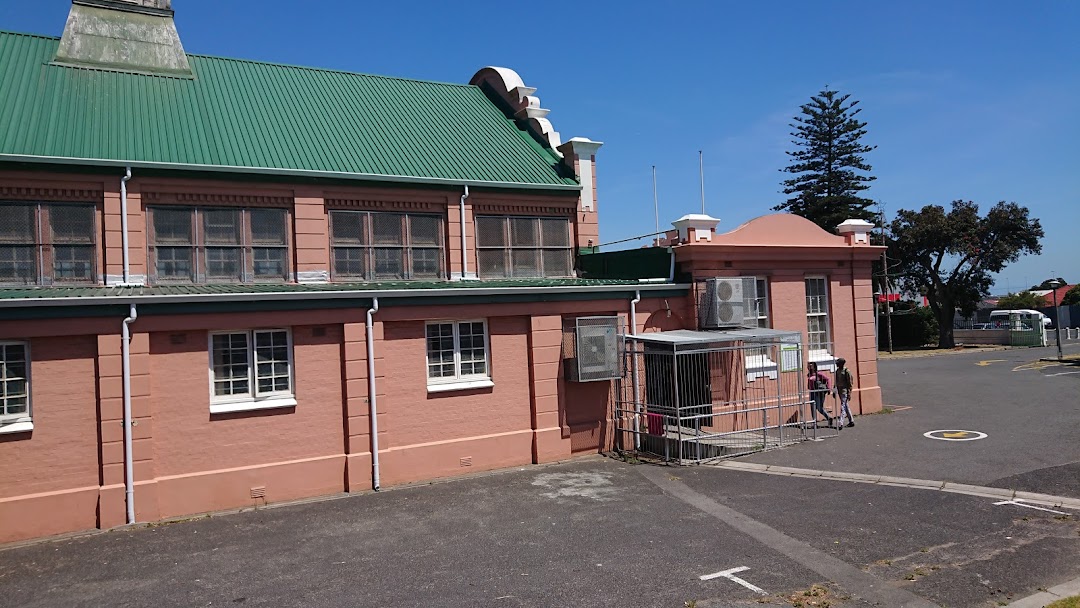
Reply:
x=695 y=227
x=123 y=35
x=855 y=232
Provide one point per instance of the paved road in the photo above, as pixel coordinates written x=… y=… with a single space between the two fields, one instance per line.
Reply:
x=598 y=532
x=1029 y=409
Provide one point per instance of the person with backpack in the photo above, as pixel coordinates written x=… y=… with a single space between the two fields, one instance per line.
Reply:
x=818 y=385
x=844 y=384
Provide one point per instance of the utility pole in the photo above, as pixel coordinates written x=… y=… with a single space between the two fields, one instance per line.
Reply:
x=885 y=272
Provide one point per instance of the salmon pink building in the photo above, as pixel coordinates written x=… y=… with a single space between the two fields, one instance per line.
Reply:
x=226 y=283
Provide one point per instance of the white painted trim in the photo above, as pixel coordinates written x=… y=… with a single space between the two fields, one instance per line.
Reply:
x=18 y=425
x=252 y=405
x=462 y=385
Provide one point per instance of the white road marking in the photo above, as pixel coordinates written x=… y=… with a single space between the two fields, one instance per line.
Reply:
x=1061 y=374
x=963 y=435
x=730 y=575
x=1020 y=504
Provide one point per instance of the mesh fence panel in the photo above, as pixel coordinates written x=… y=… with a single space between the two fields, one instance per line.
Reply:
x=18 y=264
x=348 y=227
x=268 y=226
x=492 y=263
x=172 y=226
x=490 y=232
x=425 y=230
x=526 y=263
x=17 y=223
x=555 y=232
x=386 y=228
x=524 y=232
x=557 y=263
x=221 y=226
x=72 y=223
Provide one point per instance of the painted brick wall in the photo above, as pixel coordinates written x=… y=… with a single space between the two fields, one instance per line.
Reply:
x=180 y=387
x=62 y=451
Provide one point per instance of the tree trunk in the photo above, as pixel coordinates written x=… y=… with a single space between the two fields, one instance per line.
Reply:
x=945 y=316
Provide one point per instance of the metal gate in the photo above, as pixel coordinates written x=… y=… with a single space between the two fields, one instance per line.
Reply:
x=694 y=396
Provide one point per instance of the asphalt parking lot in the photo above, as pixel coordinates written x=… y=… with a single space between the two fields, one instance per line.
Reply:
x=601 y=532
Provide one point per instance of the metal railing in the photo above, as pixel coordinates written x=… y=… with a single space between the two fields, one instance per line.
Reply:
x=713 y=401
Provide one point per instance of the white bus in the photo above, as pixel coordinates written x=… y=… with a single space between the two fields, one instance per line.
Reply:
x=1020 y=319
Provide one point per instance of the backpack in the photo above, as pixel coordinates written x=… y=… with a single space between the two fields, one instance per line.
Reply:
x=848 y=381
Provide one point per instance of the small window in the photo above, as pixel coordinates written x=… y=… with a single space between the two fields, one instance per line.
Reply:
x=14 y=387
x=47 y=243
x=370 y=246
x=760 y=310
x=523 y=247
x=251 y=370
x=457 y=355
x=218 y=245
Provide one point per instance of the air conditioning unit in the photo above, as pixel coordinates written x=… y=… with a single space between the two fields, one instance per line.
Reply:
x=727 y=302
x=591 y=349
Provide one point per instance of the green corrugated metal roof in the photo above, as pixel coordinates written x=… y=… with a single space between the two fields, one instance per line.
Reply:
x=246 y=116
x=22 y=293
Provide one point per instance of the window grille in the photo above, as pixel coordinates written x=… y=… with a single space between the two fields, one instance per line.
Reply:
x=14 y=381
x=47 y=243
x=218 y=245
x=369 y=246
x=523 y=247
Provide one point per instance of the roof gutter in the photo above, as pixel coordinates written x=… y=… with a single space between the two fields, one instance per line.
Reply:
x=330 y=295
x=374 y=177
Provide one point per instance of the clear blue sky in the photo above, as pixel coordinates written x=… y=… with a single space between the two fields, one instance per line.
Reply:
x=973 y=100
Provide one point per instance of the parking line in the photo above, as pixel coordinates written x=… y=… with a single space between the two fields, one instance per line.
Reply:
x=1020 y=504
x=730 y=575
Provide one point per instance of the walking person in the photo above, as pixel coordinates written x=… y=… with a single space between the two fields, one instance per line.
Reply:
x=844 y=383
x=818 y=385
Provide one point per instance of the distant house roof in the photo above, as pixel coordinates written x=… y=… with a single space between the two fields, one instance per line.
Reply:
x=1048 y=297
x=249 y=117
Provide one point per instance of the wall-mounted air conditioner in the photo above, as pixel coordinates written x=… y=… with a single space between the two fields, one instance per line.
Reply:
x=727 y=302
x=591 y=349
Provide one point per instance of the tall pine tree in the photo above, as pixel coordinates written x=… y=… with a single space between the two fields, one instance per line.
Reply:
x=829 y=169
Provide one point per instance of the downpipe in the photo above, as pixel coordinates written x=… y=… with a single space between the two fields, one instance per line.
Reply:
x=634 y=371
x=125 y=359
x=372 y=409
x=124 y=225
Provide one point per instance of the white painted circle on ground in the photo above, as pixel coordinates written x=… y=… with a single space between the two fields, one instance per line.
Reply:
x=954 y=435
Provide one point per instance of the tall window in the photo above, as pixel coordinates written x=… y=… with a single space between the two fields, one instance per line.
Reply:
x=457 y=352
x=250 y=366
x=760 y=310
x=218 y=245
x=371 y=246
x=522 y=247
x=817 y=313
x=47 y=243
x=14 y=383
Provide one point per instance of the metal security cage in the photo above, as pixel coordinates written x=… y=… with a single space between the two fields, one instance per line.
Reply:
x=695 y=396
x=592 y=348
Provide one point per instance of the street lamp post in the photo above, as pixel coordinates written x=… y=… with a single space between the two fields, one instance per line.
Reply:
x=1054 y=284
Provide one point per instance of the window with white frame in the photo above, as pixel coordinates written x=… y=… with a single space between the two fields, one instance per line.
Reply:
x=758 y=362
x=457 y=355
x=818 y=337
x=250 y=370
x=14 y=387
x=523 y=247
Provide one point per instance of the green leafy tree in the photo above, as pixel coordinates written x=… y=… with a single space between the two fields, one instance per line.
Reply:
x=950 y=256
x=828 y=165
x=1024 y=299
x=1046 y=284
x=1072 y=297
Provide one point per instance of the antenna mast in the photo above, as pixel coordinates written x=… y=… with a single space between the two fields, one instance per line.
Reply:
x=655 y=204
x=701 y=173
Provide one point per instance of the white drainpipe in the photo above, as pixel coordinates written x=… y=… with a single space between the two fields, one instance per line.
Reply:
x=464 y=252
x=634 y=371
x=125 y=358
x=124 y=225
x=372 y=410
